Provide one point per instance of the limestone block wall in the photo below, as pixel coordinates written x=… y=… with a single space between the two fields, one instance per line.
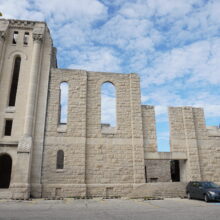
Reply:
x=177 y=132
x=210 y=155
x=71 y=138
x=149 y=128
x=99 y=162
x=158 y=171
x=160 y=190
x=189 y=134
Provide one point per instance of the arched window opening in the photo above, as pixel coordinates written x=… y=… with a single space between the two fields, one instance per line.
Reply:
x=14 y=82
x=15 y=37
x=26 y=38
x=60 y=159
x=63 y=113
x=108 y=105
x=5 y=170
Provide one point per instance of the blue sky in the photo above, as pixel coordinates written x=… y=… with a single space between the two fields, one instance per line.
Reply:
x=174 y=45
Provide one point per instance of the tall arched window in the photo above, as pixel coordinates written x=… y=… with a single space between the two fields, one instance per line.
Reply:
x=108 y=105
x=60 y=159
x=63 y=113
x=14 y=82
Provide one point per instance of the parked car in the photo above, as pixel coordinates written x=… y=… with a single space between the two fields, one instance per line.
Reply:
x=208 y=191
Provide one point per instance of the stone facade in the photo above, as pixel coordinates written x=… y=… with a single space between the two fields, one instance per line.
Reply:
x=189 y=134
x=97 y=160
x=157 y=171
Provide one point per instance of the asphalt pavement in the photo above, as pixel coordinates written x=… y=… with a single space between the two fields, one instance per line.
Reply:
x=109 y=209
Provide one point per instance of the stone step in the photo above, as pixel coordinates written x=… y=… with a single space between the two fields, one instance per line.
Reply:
x=164 y=190
x=5 y=194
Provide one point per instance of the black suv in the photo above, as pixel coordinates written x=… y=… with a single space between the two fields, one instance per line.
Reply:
x=208 y=191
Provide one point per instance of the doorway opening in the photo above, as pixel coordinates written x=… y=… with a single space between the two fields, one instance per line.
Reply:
x=5 y=170
x=175 y=170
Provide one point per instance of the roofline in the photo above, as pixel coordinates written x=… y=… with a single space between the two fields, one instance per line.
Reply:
x=23 y=21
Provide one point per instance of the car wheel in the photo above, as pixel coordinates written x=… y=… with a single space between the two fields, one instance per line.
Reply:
x=189 y=196
x=206 y=198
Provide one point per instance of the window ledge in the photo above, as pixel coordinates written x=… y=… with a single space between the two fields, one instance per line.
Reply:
x=59 y=170
x=10 y=109
x=62 y=128
x=7 y=142
x=108 y=130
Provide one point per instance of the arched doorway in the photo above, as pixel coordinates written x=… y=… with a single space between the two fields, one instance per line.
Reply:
x=5 y=170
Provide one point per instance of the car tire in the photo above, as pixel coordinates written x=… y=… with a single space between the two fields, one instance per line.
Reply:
x=189 y=196
x=206 y=198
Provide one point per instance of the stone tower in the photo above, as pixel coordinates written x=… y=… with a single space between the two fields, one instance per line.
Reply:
x=25 y=61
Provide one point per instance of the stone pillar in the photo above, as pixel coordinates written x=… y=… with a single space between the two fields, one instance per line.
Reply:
x=149 y=128
x=21 y=186
x=29 y=116
x=136 y=131
x=193 y=162
x=3 y=34
x=2 y=40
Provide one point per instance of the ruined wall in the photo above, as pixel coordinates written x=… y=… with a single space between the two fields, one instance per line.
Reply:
x=97 y=161
x=149 y=128
x=189 y=134
x=158 y=171
x=209 y=149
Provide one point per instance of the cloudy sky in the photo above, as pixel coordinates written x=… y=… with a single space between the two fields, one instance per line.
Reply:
x=174 y=45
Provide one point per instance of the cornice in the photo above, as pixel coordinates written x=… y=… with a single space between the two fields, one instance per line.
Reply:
x=20 y=24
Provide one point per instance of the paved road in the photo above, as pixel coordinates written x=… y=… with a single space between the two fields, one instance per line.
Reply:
x=98 y=209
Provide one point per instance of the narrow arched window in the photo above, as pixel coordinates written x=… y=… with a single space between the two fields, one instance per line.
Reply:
x=63 y=113
x=108 y=105
x=60 y=159
x=14 y=82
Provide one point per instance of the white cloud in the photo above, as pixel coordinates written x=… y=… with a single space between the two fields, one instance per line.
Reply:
x=19 y=10
x=54 y=11
x=96 y=59
x=212 y=110
x=160 y=110
x=72 y=9
x=121 y=31
x=199 y=59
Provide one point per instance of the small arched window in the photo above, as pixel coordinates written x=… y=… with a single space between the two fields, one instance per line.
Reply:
x=108 y=105
x=14 y=82
x=60 y=159
x=63 y=113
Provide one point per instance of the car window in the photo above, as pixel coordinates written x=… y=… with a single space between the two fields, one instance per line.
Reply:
x=195 y=184
x=200 y=185
x=210 y=185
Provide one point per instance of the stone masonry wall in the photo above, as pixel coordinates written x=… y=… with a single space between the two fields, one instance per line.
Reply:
x=149 y=128
x=70 y=138
x=96 y=162
x=158 y=171
x=189 y=134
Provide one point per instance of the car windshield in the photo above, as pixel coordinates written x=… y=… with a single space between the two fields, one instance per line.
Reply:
x=210 y=185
